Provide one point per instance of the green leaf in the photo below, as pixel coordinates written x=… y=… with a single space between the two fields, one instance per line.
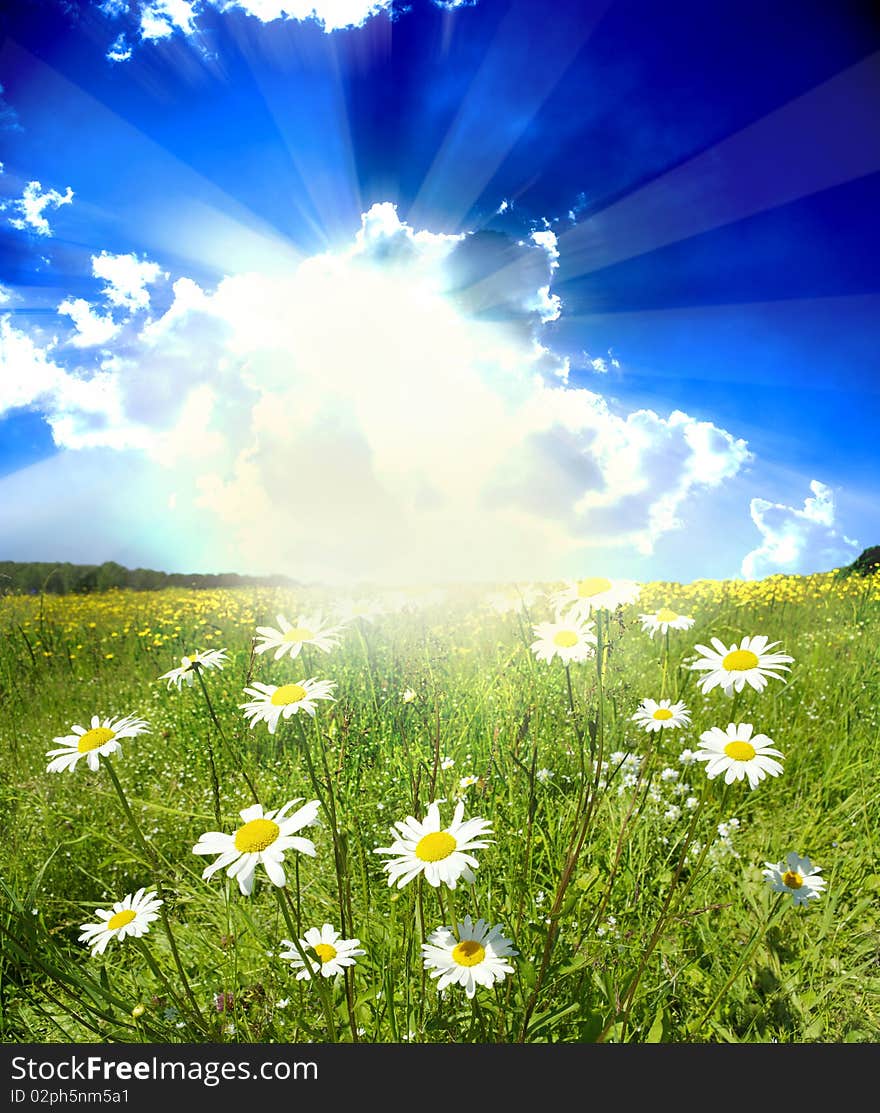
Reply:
x=586 y=881
x=655 y=1032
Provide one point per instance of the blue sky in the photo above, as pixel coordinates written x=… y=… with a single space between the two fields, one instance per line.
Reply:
x=478 y=290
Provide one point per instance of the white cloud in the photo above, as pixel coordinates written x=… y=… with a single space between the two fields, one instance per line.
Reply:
x=798 y=540
x=26 y=371
x=127 y=279
x=331 y=15
x=547 y=239
x=119 y=50
x=91 y=328
x=161 y=18
x=602 y=365
x=364 y=416
x=548 y=306
x=83 y=409
x=32 y=203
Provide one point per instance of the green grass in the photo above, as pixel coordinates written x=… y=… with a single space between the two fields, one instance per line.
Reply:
x=628 y=927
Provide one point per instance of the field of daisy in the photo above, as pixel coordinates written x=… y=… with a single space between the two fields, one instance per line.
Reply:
x=593 y=811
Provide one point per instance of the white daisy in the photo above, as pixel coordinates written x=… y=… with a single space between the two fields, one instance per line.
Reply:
x=796 y=876
x=330 y=952
x=291 y=637
x=732 y=667
x=593 y=594
x=265 y=837
x=569 y=639
x=130 y=916
x=438 y=853
x=271 y=703
x=657 y=716
x=100 y=739
x=737 y=754
x=664 y=620
x=477 y=956
x=210 y=659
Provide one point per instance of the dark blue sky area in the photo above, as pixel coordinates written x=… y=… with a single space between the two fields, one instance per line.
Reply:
x=651 y=87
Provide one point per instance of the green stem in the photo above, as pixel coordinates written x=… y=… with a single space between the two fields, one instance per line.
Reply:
x=369 y=663
x=230 y=749
x=665 y=664
x=343 y=885
x=315 y=975
x=759 y=932
x=444 y=919
x=153 y=965
x=583 y=819
x=151 y=858
x=577 y=729
x=664 y=916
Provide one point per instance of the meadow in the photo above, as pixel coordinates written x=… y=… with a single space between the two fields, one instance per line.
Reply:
x=634 y=895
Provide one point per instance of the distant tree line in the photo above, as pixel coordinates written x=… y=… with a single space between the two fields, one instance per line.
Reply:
x=33 y=577
x=866 y=564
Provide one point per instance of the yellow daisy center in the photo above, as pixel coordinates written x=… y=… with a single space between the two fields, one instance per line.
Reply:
x=565 y=639
x=739 y=750
x=325 y=952
x=187 y=663
x=299 y=634
x=739 y=660
x=288 y=693
x=256 y=836
x=468 y=953
x=662 y=713
x=94 y=738
x=121 y=919
x=595 y=585
x=435 y=847
x=792 y=879
x=666 y=615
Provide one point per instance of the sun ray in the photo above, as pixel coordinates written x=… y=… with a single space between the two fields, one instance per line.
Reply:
x=314 y=128
x=176 y=211
x=825 y=137
x=795 y=312
x=511 y=75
